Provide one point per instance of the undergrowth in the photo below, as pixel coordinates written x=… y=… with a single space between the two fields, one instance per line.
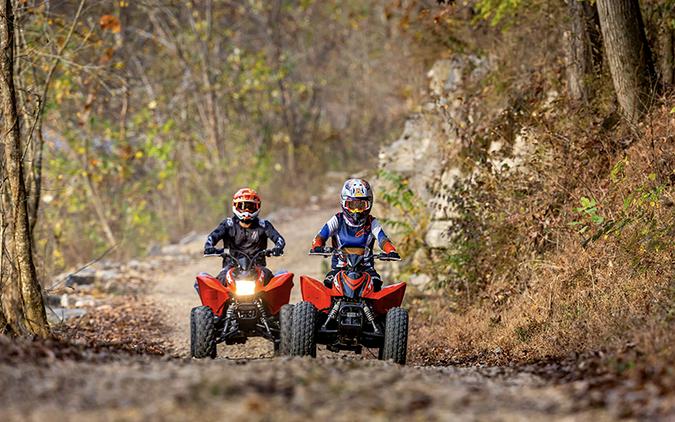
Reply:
x=574 y=250
x=561 y=238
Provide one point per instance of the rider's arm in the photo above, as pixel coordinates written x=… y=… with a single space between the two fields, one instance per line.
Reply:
x=222 y=232
x=382 y=238
x=274 y=236
x=325 y=233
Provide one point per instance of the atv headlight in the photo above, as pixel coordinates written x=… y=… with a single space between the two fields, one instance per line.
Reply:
x=245 y=287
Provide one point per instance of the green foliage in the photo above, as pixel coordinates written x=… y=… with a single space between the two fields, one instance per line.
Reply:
x=407 y=215
x=498 y=11
x=399 y=195
x=148 y=128
x=667 y=10
x=638 y=205
x=589 y=212
x=461 y=262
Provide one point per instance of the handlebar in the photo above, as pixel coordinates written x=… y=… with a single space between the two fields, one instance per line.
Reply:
x=222 y=253
x=385 y=257
x=219 y=253
x=328 y=252
x=323 y=254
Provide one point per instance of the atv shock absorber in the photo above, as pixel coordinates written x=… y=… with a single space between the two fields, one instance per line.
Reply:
x=371 y=318
x=263 y=316
x=331 y=315
x=229 y=317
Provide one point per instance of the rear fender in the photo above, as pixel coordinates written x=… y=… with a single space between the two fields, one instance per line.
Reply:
x=387 y=298
x=315 y=292
x=277 y=293
x=212 y=293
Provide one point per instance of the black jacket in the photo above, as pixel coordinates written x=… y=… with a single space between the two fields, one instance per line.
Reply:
x=249 y=240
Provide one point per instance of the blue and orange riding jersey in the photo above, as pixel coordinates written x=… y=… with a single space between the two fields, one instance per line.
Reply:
x=344 y=235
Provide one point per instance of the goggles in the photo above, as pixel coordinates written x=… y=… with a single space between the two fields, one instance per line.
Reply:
x=247 y=206
x=357 y=205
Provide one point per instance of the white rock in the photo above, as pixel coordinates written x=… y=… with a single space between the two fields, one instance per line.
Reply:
x=56 y=315
x=421 y=281
x=437 y=234
x=417 y=154
x=495 y=146
x=84 y=288
x=105 y=275
x=441 y=205
x=446 y=75
x=85 y=302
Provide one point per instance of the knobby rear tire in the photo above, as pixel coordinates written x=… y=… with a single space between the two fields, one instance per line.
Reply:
x=395 y=336
x=303 y=335
x=285 y=330
x=202 y=333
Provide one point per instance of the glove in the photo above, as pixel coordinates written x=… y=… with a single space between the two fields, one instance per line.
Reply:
x=277 y=252
x=210 y=251
x=393 y=256
x=316 y=249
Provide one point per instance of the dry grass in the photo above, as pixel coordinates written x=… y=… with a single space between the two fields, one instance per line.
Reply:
x=544 y=290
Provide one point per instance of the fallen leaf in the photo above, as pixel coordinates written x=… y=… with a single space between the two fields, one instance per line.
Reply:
x=111 y=23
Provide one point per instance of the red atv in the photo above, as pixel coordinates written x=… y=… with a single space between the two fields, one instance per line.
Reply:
x=241 y=308
x=351 y=314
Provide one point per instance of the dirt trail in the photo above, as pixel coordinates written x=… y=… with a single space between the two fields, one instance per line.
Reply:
x=248 y=384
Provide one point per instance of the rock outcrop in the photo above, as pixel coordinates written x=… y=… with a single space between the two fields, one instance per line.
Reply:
x=432 y=154
x=427 y=152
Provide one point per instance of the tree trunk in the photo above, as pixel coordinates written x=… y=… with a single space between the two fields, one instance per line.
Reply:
x=666 y=61
x=209 y=88
x=628 y=55
x=583 y=41
x=13 y=318
x=23 y=272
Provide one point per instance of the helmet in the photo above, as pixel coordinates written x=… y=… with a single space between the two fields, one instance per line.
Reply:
x=356 y=199
x=246 y=204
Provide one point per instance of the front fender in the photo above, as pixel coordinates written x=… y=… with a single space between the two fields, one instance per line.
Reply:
x=315 y=292
x=212 y=293
x=387 y=298
x=277 y=293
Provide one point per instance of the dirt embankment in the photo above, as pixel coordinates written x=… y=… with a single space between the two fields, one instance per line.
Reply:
x=94 y=381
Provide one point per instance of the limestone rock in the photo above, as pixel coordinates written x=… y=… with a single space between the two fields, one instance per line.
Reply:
x=417 y=154
x=106 y=275
x=85 y=302
x=523 y=147
x=437 y=234
x=421 y=281
x=441 y=205
x=446 y=75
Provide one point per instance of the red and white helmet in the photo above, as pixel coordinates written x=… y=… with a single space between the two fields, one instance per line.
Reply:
x=246 y=204
x=356 y=199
